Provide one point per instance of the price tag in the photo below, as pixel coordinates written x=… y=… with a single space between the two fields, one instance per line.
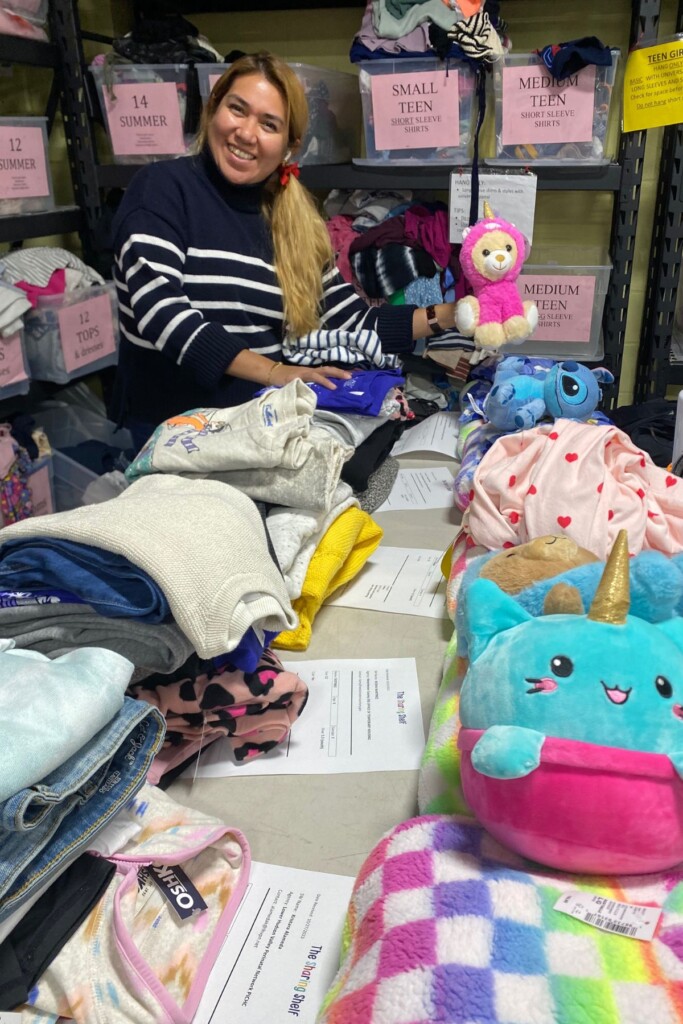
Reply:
x=416 y=111
x=627 y=919
x=23 y=167
x=145 y=118
x=87 y=332
x=12 y=366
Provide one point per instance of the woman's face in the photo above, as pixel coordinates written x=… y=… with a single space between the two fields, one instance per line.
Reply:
x=248 y=133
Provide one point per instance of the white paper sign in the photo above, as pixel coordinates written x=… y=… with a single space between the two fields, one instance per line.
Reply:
x=511 y=196
x=438 y=433
x=420 y=489
x=282 y=950
x=628 y=919
x=407 y=581
x=361 y=716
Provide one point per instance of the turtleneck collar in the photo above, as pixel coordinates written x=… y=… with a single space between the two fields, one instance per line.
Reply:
x=240 y=197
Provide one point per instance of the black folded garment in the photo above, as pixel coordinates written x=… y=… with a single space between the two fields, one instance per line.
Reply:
x=650 y=425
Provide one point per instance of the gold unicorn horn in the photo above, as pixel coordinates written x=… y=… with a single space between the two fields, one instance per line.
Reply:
x=611 y=601
x=488 y=212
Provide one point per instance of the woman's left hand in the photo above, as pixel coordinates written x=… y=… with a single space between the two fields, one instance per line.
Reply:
x=282 y=374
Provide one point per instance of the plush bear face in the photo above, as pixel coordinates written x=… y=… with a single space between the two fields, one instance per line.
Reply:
x=494 y=254
x=540 y=559
x=492 y=251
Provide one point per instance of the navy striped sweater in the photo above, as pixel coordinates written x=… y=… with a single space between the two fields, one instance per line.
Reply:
x=196 y=285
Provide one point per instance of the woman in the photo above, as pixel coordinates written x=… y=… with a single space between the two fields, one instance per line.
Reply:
x=221 y=253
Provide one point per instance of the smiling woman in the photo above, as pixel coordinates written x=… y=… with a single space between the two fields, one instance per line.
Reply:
x=222 y=255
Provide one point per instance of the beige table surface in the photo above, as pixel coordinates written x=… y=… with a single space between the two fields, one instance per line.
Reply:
x=331 y=822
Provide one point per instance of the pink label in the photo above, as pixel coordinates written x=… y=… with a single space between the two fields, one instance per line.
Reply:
x=565 y=305
x=537 y=108
x=87 y=332
x=212 y=80
x=144 y=118
x=416 y=111
x=23 y=169
x=41 y=492
x=12 y=366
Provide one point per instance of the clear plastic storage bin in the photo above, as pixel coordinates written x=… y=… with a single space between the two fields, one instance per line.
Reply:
x=25 y=178
x=416 y=111
x=207 y=76
x=67 y=426
x=144 y=106
x=14 y=379
x=570 y=296
x=71 y=334
x=540 y=120
x=34 y=10
x=334 y=114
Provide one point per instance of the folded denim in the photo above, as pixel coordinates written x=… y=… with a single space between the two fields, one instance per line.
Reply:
x=107 y=581
x=47 y=823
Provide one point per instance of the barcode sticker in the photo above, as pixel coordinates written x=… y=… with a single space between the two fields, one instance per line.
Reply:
x=627 y=919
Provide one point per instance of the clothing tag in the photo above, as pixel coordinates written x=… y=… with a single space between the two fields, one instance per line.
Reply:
x=145 y=888
x=628 y=919
x=7 y=1017
x=174 y=884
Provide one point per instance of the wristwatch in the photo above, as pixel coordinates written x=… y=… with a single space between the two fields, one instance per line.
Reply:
x=434 y=324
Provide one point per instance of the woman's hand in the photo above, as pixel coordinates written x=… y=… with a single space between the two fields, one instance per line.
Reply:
x=282 y=374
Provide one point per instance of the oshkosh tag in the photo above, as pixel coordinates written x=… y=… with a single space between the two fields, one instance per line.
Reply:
x=174 y=884
x=628 y=919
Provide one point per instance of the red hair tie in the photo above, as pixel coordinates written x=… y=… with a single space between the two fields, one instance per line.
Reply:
x=286 y=171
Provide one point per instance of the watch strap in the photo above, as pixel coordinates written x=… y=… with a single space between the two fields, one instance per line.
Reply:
x=434 y=325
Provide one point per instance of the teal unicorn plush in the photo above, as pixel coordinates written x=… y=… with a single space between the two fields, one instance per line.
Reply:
x=572 y=726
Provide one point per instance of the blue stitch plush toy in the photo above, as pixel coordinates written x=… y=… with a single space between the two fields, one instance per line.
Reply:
x=518 y=399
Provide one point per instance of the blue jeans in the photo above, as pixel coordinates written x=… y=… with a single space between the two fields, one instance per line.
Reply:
x=44 y=824
x=107 y=581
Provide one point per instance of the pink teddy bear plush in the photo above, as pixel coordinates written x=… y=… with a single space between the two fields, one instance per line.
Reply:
x=492 y=254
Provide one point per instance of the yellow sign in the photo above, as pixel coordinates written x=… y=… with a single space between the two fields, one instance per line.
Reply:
x=653 y=87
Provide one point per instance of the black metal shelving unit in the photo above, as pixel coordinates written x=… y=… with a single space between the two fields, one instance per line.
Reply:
x=327 y=176
x=62 y=219
x=655 y=370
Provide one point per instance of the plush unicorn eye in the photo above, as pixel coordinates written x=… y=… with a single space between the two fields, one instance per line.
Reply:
x=486 y=252
x=561 y=666
x=664 y=687
x=509 y=248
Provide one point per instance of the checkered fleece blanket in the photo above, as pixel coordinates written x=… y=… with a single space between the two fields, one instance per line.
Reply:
x=446 y=926
x=439 y=789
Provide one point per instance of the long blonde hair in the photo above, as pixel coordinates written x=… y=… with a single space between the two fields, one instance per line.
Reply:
x=301 y=244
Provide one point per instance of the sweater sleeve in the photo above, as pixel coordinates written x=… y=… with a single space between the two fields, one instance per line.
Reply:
x=343 y=309
x=155 y=312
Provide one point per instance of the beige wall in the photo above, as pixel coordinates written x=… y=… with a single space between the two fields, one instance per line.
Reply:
x=577 y=219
